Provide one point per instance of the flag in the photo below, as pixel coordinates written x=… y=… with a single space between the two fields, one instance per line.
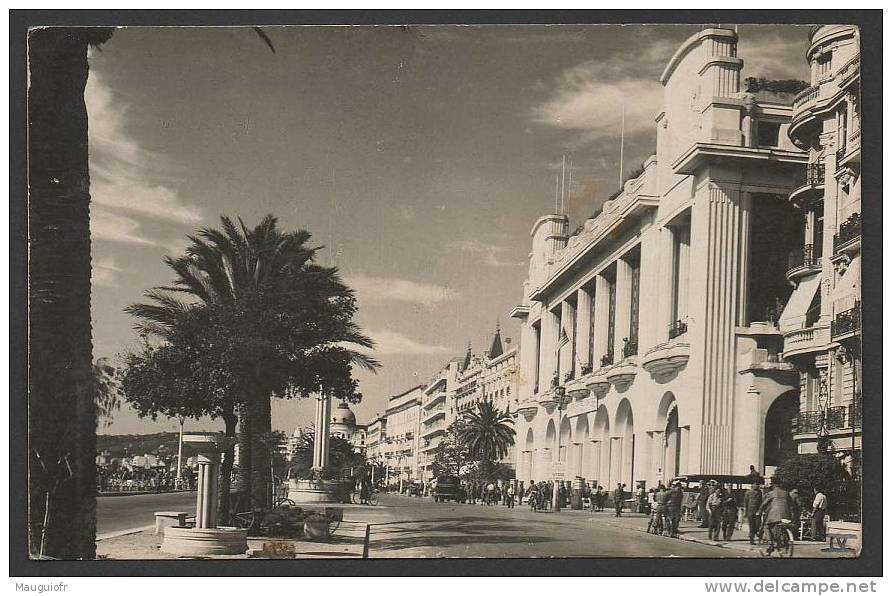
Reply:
x=564 y=340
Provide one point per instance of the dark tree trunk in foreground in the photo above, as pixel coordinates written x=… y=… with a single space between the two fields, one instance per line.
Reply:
x=61 y=412
x=261 y=479
x=231 y=420
x=243 y=474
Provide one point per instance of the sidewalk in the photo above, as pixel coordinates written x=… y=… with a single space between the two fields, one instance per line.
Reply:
x=691 y=531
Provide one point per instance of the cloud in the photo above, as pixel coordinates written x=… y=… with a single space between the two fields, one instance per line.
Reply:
x=124 y=176
x=392 y=342
x=490 y=253
x=105 y=272
x=105 y=225
x=382 y=289
x=406 y=212
x=774 y=55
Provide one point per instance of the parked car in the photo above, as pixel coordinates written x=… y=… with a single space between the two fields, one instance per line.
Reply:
x=448 y=488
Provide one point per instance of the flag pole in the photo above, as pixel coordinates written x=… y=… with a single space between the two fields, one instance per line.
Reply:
x=622 y=138
x=563 y=168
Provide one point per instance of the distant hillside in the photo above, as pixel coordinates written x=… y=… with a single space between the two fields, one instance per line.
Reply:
x=129 y=445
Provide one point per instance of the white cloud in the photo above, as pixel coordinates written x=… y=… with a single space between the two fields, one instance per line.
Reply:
x=491 y=254
x=392 y=342
x=105 y=225
x=123 y=174
x=383 y=289
x=775 y=56
x=105 y=272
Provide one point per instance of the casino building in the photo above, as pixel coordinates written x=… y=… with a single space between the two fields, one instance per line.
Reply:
x=670 y=296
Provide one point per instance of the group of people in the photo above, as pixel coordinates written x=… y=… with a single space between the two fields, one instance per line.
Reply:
x=666 y=509
x=493 y=492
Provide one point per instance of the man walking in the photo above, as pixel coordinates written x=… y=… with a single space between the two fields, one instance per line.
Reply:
x=618 y=496
x=702 y=511
x=673 y=505
x=714 y=509
x=820 y=510
x=752 y=502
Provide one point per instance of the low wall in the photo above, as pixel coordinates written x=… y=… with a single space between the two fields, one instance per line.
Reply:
x=317 y=491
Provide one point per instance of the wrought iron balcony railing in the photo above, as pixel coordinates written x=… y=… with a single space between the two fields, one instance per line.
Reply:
x=847 y=321
x=803 y=257
x=677 y=328
x=855 y=414
x=848 y=231
x=814 y=174
x=807 y=422
x=812 y=421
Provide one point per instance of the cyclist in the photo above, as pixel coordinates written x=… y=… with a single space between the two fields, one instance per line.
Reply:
x=777 y=507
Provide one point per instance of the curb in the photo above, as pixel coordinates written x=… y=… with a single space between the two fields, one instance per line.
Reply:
x=119 y=533
x=141 y=492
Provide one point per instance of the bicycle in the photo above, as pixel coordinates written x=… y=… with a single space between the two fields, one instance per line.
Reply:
x=246 y=512
x=372 y=500
x=779 y=539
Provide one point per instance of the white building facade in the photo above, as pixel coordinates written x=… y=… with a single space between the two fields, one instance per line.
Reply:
x=673 y=358
x=401 y=440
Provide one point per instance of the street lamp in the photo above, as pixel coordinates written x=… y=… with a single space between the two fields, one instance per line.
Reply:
x=560 y=400
x=824 y=444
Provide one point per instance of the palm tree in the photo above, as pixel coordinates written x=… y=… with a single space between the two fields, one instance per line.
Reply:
x=488 y=432
x=258 y=274
x=61 y=412
x=106 y=388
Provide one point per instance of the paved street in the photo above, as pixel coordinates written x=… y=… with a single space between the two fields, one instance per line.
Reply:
x=114 y=514
x=416 y=527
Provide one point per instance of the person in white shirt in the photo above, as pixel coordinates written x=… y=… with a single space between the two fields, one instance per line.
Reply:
x=820 y=509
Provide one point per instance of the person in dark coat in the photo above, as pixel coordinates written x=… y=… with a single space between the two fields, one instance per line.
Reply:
x=729 y=515
x=752 y=502
x=673 y=507
x=714 y=508
x=776 y=507
x=618 y=496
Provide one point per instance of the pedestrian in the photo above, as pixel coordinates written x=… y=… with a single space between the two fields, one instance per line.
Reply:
x=714 y=509
x=641 y=499
x=676 y=496
x=729 y=515
x=618 y=496
x=820 y=510
x=753 y=476
x=795 y=507
x=602 y=497
x=490 y=494
x=702 y=511
x=509 y=496
x=752 y=502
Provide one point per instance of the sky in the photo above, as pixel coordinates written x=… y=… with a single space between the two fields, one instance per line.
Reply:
x=418 y=157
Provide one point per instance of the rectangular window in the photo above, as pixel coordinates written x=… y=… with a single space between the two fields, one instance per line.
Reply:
x=632 y=346
x=591 y=329
x=611 y=315
x=768 y=133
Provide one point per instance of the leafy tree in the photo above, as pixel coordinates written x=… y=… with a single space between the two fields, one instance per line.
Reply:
x=791 y=86
x=288 y=322
x=451 y=455
x=813 y=471
x=187 y=375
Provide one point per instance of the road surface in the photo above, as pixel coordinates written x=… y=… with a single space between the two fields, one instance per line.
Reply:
x=418 y=527
x=114 y=514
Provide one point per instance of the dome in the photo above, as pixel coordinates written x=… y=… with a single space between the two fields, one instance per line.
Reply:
x=343 y=415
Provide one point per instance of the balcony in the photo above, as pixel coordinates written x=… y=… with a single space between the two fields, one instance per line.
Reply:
x=811 y=184
x=847 y=323
x=848 y=239
x=835 y=418
x=623 y=374
x=803 y=261
x=808 y=339
x=677 y=329
x=433 y=414
x=664 y=361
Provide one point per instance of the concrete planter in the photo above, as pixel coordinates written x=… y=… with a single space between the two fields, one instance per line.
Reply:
x=317 y=491
x=204 y=541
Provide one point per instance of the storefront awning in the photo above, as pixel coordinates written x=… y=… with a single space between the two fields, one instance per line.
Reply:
x=793 y=316
x=847 y=288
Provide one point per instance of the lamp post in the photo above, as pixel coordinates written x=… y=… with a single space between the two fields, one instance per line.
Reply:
x=182 y=420
x=824 y=444
x=559 y=394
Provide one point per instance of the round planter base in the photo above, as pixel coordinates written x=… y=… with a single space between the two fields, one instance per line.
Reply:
x=204 y=541
x=316 y=491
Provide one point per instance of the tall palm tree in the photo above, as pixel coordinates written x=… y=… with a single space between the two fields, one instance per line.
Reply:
x=488 y=432
x=257 y=273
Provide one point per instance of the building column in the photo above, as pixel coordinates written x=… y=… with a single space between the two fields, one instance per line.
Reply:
x=623 y=306
x=543 y=373
x=718 y=224
x=650 y=320
x=831 y=212
x=548 y=346
x=566 y=326
x=595 y=462
x=668 y=246
x=616 y=461
x=684 y=448
x=743 y=316
x=583 y=326
x=602 y=319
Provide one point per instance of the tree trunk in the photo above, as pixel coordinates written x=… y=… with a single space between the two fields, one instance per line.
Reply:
x=61 y=409
x=245 y=442
x=261 y=481
x=231 y=420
